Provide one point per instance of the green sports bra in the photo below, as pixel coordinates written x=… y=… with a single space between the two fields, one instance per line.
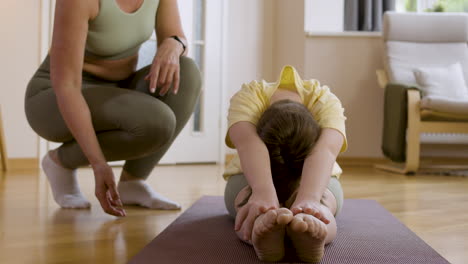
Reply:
x=115 y=34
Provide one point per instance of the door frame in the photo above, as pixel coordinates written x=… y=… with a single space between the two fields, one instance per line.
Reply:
x=46 y=28
x=45 y=20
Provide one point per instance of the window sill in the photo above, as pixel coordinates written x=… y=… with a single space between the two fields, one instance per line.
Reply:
x=346 y=34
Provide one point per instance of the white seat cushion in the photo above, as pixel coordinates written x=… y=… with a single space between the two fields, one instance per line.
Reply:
x=441 y=104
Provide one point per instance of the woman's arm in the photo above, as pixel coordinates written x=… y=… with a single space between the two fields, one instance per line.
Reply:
x=165 y=69
x=316 y=173
x=168 y=23
x=67 y=55
x=255 y=162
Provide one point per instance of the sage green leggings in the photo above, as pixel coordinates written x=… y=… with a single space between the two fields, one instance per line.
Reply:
x=237 y=182
x=131 y=124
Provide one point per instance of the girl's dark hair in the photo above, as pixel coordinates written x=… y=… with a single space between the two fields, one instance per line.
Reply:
x=289 y=132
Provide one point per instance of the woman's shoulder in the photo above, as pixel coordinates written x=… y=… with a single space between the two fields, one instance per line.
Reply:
x=89 y=8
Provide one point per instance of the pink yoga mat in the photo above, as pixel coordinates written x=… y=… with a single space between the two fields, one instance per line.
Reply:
x=367 y=233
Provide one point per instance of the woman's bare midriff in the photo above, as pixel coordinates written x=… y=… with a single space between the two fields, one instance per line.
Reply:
x=112 y=70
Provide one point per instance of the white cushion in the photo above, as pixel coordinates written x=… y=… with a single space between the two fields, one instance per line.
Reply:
x=445 y=105
x=403 y=57
x=426 y=27
x=403 y=73
x=445 y=82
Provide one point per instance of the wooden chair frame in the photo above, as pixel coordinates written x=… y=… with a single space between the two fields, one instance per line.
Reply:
x=415 y=127
x=3 y=153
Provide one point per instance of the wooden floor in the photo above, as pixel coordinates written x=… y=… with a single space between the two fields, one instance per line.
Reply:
x=33 y=229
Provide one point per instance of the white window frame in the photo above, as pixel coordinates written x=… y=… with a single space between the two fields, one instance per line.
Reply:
x=46 y=20
x=199 y=43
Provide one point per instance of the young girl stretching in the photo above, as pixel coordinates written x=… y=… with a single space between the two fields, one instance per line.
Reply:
x=284 y=182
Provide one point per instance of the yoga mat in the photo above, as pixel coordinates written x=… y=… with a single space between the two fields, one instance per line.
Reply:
x=367 y=233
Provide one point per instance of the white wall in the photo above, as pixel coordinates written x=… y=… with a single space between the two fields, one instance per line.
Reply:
x=19 y=33
x=289 y=38
x=324 y=15
x=348 y=65
x=243 y=47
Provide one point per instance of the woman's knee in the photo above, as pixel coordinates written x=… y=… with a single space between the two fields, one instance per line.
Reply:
x=190 y=75
x=157 y=128
x=45 y=119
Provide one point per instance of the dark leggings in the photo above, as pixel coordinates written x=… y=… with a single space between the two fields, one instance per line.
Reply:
x=131 y=124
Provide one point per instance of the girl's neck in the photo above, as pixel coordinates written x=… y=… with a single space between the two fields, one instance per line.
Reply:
x=281 y=94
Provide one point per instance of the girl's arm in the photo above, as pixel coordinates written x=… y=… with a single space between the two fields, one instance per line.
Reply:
x=255 y=162
x=165 y=69
x=67 y=55
x=316 y=173
x=253 y=155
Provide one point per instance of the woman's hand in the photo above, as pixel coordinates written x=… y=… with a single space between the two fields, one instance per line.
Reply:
x=310 y=207
x=257 y=204
x=106 y=190
x=165 y=69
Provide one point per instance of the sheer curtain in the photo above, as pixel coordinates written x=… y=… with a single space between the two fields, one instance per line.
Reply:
x=366 y=15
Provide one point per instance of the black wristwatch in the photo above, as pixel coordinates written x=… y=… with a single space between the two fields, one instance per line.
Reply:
x=180 y=41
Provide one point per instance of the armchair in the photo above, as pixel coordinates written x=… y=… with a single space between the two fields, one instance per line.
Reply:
x=421 y=41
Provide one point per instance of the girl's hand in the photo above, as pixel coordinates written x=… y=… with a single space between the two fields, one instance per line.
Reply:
x=257 y=204
x=106 y=190
x=165 y=69
x=310 y=207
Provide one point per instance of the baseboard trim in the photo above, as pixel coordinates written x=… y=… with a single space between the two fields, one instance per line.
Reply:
x=372 y=161
x=23 y=163
x=360 y=161
x=343 y=161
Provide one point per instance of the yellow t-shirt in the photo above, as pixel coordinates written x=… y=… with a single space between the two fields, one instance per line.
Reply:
x=253 y=99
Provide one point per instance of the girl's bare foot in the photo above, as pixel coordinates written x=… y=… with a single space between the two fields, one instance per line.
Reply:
x=307 y=234
x=268 y=234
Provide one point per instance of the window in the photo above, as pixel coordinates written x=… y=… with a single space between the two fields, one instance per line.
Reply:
x=334 y=16
x=432 y=5
x=324 y=16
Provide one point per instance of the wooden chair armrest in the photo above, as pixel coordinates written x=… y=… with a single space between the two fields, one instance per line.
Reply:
x=414 y=111
x=382 y=78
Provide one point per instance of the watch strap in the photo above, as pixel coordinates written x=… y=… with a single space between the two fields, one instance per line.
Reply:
x=180 y=41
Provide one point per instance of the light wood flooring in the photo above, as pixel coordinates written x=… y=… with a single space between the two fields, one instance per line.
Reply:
x=33 y=229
